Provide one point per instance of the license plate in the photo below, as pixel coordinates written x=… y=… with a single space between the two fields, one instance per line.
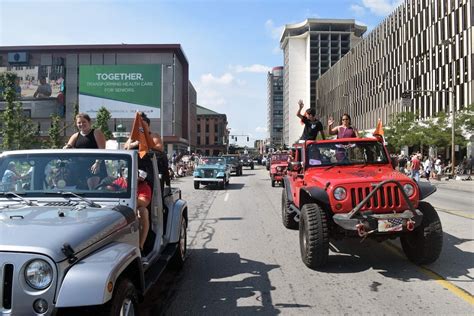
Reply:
x=390 y=225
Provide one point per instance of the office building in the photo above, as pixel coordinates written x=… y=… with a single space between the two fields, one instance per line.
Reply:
x=275 y=107
x=153 y=78
x=310 y=48
x=421 y=46
x=212 y=134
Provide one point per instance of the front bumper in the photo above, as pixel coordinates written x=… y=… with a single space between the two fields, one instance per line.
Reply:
x=209 y=179
x=368 y=222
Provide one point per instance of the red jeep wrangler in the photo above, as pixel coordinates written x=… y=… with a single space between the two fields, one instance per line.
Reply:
x=278 y=166
x=349 y=188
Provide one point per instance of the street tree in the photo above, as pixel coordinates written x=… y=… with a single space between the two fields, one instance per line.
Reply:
x=55 y=139
x=102 y=122
x=18 y=130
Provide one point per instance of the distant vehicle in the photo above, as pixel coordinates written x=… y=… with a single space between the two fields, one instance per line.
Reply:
x=234 y=162
x=64 y=245
x=211 y=170
x=278 y=166
x=247 y=161
x=349 y=188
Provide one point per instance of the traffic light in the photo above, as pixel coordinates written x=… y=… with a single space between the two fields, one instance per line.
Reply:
x=247 y=138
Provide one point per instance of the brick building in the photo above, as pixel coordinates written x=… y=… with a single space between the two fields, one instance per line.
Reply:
x=212 y=134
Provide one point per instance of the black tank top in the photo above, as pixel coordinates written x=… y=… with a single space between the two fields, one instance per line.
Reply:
x=87 y=141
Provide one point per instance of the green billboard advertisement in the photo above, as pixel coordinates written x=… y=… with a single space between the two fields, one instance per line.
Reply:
x=121 y=89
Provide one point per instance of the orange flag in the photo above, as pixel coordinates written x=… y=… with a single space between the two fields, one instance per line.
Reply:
x=141 y=133
x=378 y=129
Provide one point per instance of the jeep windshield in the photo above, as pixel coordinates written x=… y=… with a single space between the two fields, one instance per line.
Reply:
x=232 y=159
x=345 y=153
x=279 y=158
x=212 y=161
x=52 y=173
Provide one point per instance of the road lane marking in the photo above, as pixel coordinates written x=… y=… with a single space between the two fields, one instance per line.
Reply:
x=226 y=197
x=456 y=213
x=459 y=292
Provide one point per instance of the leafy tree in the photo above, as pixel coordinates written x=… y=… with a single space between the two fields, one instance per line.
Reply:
x=102 y=120
x=55 y=139
x=401 y=131
x=19 y=131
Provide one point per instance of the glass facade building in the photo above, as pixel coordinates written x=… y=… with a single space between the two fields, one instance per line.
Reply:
x=275 y=107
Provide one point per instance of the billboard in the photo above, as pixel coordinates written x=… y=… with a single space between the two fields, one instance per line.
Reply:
x=121 y=89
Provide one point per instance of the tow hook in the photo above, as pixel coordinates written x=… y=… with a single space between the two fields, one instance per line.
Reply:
x=410 y=225
x=361 y=230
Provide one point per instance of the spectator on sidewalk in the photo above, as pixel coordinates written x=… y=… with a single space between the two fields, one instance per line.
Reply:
x=415 y=167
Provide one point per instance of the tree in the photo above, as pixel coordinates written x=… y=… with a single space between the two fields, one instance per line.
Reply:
x=102 y=122
x=18 y=130
x=55 y=139
x=400 y=132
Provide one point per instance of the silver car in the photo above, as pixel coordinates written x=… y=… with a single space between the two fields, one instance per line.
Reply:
x=66 y=244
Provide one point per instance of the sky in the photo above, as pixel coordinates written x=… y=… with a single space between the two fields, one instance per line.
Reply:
x=230 y=44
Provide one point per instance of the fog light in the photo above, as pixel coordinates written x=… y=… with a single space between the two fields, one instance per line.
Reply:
x=338 y=206
x=40 y=306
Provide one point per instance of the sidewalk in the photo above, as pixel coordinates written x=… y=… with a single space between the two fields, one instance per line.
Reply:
x=459 y=185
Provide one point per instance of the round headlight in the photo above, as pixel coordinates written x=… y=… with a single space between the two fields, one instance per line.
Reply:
x=409 y=189
x=340 y=193
x=38 y=274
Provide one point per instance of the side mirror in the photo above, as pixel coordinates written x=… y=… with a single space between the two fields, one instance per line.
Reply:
x=394 y=161
x=295 y=166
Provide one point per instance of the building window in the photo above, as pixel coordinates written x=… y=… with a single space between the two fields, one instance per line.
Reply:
x=216 y=139
x=198 y=140
x=199 y=128
x=207 y=140
x=207 y=128
x=216 y=128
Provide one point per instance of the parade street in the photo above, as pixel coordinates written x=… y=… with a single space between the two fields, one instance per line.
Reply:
x=242 y=260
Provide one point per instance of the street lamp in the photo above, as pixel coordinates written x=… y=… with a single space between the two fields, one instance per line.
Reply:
x=453 y=111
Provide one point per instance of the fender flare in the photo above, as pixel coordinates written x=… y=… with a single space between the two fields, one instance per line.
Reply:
x=426 y=189
x=174 y=220
x=287 y=187
x=86 y=282
x=317 y=194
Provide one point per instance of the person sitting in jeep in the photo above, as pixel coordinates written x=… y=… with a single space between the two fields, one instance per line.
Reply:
x=143 y=200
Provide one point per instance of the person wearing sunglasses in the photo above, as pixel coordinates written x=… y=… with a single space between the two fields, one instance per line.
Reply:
x=344 y=129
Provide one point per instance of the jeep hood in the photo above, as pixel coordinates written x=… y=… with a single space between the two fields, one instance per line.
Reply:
x=41 y=229
x=357 y=174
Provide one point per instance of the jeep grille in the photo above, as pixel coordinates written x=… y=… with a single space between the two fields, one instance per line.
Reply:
x=6 y=277
x=208 y=173
x=388 y=196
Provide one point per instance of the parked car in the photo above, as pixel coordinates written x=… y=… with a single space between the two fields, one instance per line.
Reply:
x=247 y=161
x=65 y=246
x=234 y=162
x=349 y=188
x=278 y=165
x=211 y=170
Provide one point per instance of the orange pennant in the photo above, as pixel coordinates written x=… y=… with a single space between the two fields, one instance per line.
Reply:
x=379 y=128
x=141 y=133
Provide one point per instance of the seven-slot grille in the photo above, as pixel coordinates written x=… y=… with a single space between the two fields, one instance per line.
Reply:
x=388 y=196
x=6 y=277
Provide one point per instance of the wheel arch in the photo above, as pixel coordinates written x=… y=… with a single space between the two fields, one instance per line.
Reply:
x=426 y=189
x=313 y=195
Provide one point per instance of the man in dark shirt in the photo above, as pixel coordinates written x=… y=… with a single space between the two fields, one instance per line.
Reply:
x=311 y=125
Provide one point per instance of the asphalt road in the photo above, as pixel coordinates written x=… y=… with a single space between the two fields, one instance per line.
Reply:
x=242 y=260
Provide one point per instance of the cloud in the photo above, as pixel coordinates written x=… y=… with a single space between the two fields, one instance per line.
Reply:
x=209 y=78
x=357 y=9
x=260 y=129
x=255 y=68
x=381 y=7
x=275 y=31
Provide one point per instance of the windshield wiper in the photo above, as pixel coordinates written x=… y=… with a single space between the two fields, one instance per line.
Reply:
x=10 y=194
x=89 y=202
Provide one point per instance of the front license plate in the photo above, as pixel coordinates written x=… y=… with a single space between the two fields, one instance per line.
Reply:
x=390 y=225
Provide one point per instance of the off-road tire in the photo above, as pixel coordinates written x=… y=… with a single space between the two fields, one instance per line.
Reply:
x=179 y=257
x=124 y=299
x=287 y=218
x=252 y=167
x=273 y=183
x=314 y=236
x=196 y=185
x=423 y=245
